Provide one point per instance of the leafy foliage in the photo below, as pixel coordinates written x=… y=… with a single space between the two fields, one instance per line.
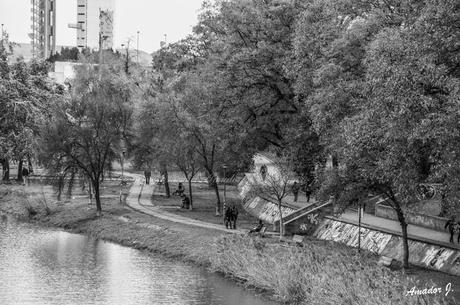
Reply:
x=85 y=132
x=25 y=96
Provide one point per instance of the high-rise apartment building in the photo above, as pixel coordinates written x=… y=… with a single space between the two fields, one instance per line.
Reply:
x=94 y=23
x=43 y=36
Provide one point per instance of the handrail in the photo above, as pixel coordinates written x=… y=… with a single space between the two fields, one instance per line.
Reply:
x=314 y=209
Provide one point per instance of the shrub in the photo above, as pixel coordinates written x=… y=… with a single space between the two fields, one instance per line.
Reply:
x=314 y=274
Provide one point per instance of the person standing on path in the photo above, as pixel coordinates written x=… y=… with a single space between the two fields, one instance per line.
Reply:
x=451 y=225
x=147 y=174
x=234 y=215
x=295 y=190
x=25 y=176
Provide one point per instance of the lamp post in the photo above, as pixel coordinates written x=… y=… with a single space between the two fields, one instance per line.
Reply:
x=359 y=227
x=138 y=47
x=2 y=36
x=225 y=184
x=127 y=56
x=123 y=152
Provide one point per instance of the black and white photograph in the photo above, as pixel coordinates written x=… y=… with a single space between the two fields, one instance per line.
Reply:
x=230 y=152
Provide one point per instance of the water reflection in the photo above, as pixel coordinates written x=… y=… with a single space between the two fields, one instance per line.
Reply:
x=42 y=266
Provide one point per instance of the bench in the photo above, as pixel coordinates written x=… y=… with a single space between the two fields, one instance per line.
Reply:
x=261 y=233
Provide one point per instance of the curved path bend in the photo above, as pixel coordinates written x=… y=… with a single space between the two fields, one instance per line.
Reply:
x=139 y=200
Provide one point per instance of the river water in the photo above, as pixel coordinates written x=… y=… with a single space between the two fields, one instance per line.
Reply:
x=45 y=266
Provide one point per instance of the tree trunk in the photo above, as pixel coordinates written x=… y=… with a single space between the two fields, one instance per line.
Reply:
x=167 y=189
x=281 y=221
x=70 y=185
x=30 y=166
x=214 y=185
x=403 y=223
x=90 y=192
x=6 y=169
x=20 y=164
x=190 y=193
x=97 y=196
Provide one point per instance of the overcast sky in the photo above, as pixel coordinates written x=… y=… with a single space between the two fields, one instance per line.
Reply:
x=153 y=18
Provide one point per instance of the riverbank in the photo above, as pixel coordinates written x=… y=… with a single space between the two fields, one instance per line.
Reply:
x=318 y=273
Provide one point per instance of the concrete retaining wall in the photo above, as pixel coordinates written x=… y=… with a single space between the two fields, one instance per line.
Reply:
x=257 y=206
x=306 y=225
x=420 y=254
x=432 y=222
x=265 y=210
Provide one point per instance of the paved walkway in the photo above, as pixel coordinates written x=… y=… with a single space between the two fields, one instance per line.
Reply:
x=139 y=200
x=391 y=226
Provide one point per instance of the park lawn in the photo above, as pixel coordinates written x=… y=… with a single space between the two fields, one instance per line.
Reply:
x=204 y=204
x=36 y=195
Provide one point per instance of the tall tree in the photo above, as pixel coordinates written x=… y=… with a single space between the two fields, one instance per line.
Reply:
x=25 y=93
x=249 y=45
x=395 y=137
x=85 y=132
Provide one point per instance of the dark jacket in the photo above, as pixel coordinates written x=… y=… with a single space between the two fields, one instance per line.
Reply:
x=234 y=213
x=25 y=172
x=451 y=224
x=185 y=202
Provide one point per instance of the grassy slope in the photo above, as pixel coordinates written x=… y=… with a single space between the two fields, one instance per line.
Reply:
x=319 y=273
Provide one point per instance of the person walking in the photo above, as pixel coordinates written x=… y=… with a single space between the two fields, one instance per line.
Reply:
x=234 y=213
x=228 y=217
x=295 y=190
x=263 y=172
x=25 y=176
x=451 y=225
x=308 y=190
x=147 y=174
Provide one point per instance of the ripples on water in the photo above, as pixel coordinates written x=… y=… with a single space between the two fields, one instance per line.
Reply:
x=43 y=266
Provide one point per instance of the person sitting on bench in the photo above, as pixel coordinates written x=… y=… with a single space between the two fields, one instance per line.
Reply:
x=258 y=228
x=180 y=190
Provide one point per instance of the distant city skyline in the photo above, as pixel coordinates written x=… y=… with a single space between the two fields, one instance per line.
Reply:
x=153 y=18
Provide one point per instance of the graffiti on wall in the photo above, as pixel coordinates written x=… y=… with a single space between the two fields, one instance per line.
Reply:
x=313 y=218
x=244 y=187
x=312 y=221
x=436 y=257
x=266 y=210
x=373 y=241
x=270 y=212
x=422 y=254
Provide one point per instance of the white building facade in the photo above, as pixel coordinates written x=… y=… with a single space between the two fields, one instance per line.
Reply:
x=43 y=35
x=94 y=22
